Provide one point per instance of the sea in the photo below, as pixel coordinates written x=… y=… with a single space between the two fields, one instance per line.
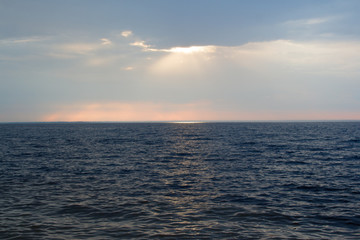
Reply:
x=243 y=180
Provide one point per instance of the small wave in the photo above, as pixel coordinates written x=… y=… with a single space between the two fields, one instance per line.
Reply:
x=272 y=216
x=316 y=188
x=182 y=154
x=93 y=212
x=75 y=208
x=296 y=162
x=236 y=198
x=353 y=221
x=354 y=140
x=223 y=181
x=353 y=157
x=115 y=140
x=202 y=139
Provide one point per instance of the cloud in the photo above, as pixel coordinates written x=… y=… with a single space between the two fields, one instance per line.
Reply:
x=250 y=81
x=79 y=49
x=11 y=41
x=183 y=50
x=270 y=56
x=95 y=61
x=142 y=45
x=313 y=28
x=126 y=33
x=24 y=49
x=191 y=49
x=191 y=60
x=129 y=68
x=314 y=56
x=105 y=41
x=307 y=56
x=84 y=48
x=309 y=21
x=302 y=77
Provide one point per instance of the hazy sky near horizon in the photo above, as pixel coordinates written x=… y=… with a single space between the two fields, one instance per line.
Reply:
x=165 y=60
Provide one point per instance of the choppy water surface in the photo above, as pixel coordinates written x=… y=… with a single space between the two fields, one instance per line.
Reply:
x=180 y=181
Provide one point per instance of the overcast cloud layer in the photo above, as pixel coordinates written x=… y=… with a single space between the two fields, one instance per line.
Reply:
x=179 y=60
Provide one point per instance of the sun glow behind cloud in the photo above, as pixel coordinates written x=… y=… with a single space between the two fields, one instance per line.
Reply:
x=191 y=49
x=302 y=55
x=184 y=61
x=273 y=56
x=270 y=80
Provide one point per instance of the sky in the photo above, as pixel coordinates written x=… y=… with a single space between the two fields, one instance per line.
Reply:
x=170 y=60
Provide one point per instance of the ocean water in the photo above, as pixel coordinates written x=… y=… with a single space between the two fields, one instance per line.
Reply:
x=180 y=181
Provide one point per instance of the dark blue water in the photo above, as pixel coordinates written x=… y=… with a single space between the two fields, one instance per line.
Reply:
x=180 y=181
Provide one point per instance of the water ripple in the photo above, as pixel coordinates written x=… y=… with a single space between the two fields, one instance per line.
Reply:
x=180 y=181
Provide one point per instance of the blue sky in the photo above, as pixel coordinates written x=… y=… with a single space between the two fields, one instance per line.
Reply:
x=179 y=60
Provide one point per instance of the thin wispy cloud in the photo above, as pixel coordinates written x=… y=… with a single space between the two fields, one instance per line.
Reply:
x=312 y=28
x=128 y=68
x=314 y=55
x=309 y=21
x=24 y=40
x=78 y=48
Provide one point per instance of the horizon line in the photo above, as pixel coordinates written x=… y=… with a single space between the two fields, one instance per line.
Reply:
x=189 y=121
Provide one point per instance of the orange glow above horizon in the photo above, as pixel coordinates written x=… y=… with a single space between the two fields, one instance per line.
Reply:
x=130 y=112
x=182 y=113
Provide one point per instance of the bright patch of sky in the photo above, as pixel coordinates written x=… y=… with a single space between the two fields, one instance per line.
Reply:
x=179 y=60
